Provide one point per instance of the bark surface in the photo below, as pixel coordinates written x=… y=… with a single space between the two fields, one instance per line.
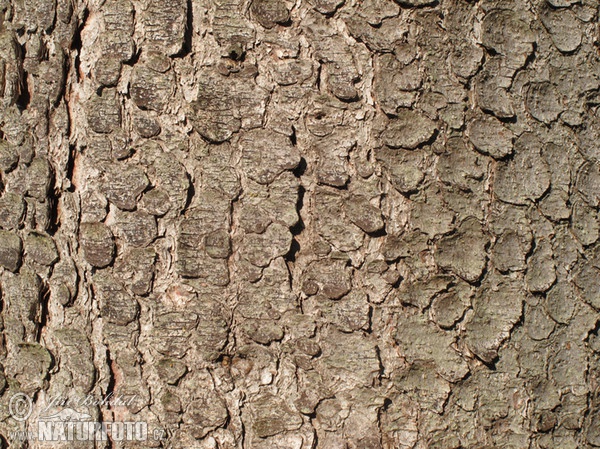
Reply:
x=332 y=224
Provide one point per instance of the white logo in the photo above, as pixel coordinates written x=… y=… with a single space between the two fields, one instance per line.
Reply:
x=59 y=422
x=67 y=414
x=20 y=406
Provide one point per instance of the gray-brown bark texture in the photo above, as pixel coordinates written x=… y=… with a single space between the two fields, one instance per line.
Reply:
x=316 y=224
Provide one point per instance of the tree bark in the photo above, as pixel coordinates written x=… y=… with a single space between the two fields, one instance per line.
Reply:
x=313 y=224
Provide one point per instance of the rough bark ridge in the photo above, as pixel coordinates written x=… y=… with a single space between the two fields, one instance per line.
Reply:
x=328 y=223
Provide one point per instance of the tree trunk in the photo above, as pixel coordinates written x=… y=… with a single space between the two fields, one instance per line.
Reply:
x=322 y=224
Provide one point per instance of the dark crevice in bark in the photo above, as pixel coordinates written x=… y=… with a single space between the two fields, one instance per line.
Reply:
x=71 y=167
x=44 y=299
x=189 y=31
x=297 y=228
x=54 y=217
x=300 y=169
x=24 y=97
x=76 y=45
x=190 y=194
x=318 y=80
